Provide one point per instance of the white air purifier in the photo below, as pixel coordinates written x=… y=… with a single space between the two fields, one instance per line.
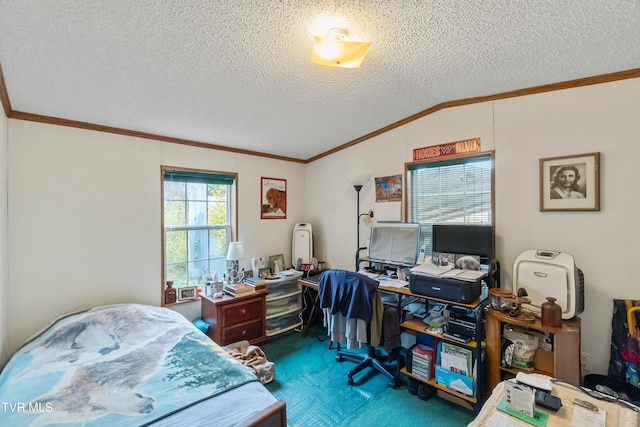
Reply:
x=554 y=274
x=302 y=244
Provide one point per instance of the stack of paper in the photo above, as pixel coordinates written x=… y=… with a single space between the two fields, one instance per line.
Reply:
x=447 y=271
x=429 y=269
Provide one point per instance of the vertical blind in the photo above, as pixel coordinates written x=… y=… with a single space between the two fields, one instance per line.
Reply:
x=457 y=191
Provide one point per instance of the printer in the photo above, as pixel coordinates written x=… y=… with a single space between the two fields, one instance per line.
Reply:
x=445 y=288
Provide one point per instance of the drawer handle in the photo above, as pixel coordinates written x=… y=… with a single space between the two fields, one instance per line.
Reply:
x=244 y=333
x=244 y=311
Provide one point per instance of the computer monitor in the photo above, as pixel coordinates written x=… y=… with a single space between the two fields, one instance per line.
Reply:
x=394 y=242
x=467 y=239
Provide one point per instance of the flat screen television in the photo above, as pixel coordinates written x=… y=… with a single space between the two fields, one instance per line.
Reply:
x=467 y=239
x=394 y=242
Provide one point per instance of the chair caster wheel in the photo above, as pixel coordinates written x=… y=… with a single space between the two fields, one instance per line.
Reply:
x=339 y=358
x=350 y=381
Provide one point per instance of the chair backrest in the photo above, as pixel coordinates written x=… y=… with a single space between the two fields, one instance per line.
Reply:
x=352 y=294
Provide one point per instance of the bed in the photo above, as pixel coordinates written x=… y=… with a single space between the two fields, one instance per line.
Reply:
x=131 y=365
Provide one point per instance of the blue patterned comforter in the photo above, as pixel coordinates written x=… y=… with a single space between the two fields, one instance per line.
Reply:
x=117 y=365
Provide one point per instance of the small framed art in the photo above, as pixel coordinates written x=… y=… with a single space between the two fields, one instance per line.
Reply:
x=187 y=293
x=273 y=203
x=264 y=272
x=570 y=183
x=276 y=263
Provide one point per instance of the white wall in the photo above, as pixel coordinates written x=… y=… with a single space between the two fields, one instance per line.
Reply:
x=84 y=218
x=4 y=270
x=84 y=207
x=522 y=130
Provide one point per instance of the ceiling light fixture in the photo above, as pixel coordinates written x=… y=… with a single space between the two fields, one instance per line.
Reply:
x=335 y=50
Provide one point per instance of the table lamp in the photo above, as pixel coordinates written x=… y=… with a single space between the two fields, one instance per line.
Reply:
x=235 y=253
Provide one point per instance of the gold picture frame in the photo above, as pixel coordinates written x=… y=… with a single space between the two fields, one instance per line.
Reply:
x=570 y=183
x=187 y=293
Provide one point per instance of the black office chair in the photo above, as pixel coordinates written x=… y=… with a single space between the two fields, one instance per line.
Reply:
x=355 y=296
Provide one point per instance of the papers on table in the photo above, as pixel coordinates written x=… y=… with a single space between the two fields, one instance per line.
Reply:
x=583 y=417
x=429 y=269
x=447 y=272
x=385 y=280
x=368 y=274
x=392 y=283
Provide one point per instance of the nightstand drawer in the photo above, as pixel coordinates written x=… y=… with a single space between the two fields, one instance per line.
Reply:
x=241 y=312
x=247 y=331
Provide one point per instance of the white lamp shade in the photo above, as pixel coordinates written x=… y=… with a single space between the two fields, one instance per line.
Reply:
x=235 y=252
x=358 y=178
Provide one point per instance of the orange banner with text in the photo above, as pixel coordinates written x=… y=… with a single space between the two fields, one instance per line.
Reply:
x=448 y=149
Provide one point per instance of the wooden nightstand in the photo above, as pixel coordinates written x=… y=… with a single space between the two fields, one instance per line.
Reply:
x=233 y=319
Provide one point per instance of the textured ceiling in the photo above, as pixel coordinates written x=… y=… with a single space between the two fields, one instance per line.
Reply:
x=237 y=73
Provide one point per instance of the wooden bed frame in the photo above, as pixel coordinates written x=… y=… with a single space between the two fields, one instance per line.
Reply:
x=275 y=415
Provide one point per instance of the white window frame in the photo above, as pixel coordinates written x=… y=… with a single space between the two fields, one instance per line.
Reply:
x=410 y=174
x=230 y=227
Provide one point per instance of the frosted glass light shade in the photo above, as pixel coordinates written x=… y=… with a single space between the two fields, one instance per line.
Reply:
x=335 y=50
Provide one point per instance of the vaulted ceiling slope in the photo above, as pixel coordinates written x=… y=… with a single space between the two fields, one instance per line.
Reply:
x=236 y=73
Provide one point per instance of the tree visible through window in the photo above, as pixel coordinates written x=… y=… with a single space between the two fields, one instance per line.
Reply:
x=456 y=191
x=198 y=212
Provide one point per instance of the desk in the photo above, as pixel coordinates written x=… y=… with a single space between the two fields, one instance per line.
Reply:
x=617 y=415
x=308 y=284
x=416 y=325
x=401 y=292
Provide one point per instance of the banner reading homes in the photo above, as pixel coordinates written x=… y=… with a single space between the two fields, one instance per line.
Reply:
x=448 y=149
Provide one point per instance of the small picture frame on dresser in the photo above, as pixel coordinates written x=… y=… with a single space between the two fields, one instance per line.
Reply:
x=264 y=272
x=187 y=293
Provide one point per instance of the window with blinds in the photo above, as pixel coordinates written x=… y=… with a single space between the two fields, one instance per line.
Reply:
x=456 y=191
x=198 y=217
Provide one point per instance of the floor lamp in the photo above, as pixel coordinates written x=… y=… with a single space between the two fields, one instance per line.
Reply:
x=358 y=182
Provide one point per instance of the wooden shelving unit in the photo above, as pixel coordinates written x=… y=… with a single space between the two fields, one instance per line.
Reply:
x=562 y=362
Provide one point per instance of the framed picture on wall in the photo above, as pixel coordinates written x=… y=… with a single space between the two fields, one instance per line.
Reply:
x=273 y=204
x=570 y=183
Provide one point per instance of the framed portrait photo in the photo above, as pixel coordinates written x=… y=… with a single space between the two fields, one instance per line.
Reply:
x=276 y=263
x=273 y=203
x=570 y=183
x=187 y=293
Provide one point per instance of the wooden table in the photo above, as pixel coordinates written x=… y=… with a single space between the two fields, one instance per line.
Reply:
x=617 y=415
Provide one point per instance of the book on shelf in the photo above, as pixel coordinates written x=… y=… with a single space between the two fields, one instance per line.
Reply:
x=418 y=360
x=423 y=350
x=456 y=359
x=256 y=282
x=424 y=374
x=234 y=289
x=420 y=356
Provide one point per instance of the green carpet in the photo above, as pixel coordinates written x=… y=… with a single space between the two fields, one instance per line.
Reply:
x=314 y=385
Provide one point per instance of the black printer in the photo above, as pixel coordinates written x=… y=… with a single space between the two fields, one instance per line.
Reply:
x=445 y=288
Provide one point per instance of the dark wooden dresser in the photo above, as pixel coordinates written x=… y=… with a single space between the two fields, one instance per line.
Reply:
x=233 y=319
